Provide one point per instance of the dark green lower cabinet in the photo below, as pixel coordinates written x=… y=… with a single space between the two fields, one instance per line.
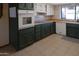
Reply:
x=49 y=28
x=37 y=32
x=72 y=30
x=30 y=35
x=53 y=28
x=26 y=37
x=44 y=30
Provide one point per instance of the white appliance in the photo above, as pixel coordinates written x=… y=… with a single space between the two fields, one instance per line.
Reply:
x=61 y=28
x=25 y=20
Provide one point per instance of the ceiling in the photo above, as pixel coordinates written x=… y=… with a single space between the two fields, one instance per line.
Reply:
x=61 y=3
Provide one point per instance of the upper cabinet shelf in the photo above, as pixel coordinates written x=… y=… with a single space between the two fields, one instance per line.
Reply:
x=26 y=6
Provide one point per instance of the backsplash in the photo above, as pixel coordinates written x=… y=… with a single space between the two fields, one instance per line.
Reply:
x=40 y=19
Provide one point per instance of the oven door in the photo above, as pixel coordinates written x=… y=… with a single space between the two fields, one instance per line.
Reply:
x=25 y=21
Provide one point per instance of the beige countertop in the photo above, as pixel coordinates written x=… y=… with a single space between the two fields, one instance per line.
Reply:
x=58 y=21
x=64 y=21
x=32 y=25
x=74 y=22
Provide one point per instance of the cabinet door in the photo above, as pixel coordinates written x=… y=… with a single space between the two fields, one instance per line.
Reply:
x=43 y=7
x=73 y=30
x=53 y=27
x=48 y=29
x=26 y=6
x=37 y=32
x=50 y=10
x=26 y=37
x=40 y=7
x=13 y=25
x=37 y=7
x=37 y=36
x=45 y=30
x=30 y=6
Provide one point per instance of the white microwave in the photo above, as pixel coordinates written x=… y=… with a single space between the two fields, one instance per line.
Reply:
x=26 y=21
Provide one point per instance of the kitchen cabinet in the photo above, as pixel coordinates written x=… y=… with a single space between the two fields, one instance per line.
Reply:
x=21 y=38
x=61 y=28
x=50 y=9
x=72 y=30
x=26 y=37
x=52 y=27
x=47 y=29
x=13 y=25
x=26 y=6
x=43 y=30
x=30 y=35
x=37 y=32
x=40 y=7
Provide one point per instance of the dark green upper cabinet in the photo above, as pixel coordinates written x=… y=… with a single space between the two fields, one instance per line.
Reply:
x=26 y=6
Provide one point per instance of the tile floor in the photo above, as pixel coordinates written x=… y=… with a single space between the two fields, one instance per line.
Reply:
x=7 y=50
x=53 y=45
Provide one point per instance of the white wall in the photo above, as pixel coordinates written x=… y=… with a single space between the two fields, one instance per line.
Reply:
x=4 y=26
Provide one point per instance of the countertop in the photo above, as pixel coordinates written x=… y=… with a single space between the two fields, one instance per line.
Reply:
x=58 y=21
x=32 y=25
x=74 y=22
